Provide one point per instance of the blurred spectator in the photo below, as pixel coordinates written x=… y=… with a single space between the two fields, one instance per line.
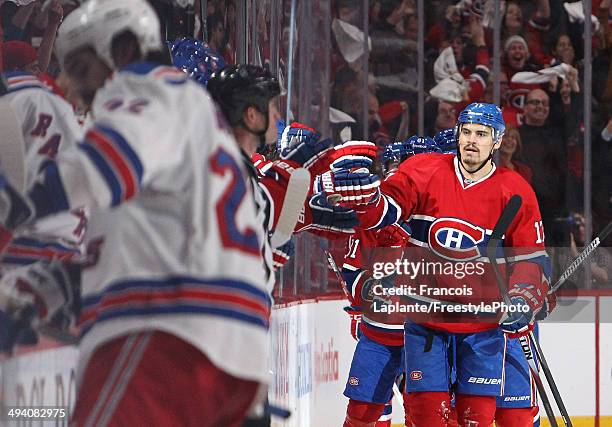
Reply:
x=544 y=151
x=517 y=59
x=511 y=145
x=563 y=51
x=439 y=115
x=600 y=262
x=438 y=35
x=216 y=32
x=393 y=55
x=602 y=66
x=462 y=70
x=513 y=25
x=35 y=26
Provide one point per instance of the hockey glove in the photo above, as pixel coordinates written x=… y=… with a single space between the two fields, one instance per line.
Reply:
x=282 y=254
x=302 y=146
x=350 y=150
x=355 y=316
x=394 y=236
x=550 y=302
x=261 y=164
x=14 y=211
x=321 y=215
x=48 y=286
x=526 y=303
x=349 y=187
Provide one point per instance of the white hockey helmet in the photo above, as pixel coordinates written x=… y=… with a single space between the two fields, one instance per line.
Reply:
x=97 y=22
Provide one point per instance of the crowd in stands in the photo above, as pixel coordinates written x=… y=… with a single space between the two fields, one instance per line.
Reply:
x=541 y=79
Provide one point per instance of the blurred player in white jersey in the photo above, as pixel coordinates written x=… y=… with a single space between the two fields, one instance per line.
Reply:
x=175 y=313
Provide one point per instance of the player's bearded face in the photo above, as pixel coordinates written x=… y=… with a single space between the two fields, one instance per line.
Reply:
x=86 y=72
x=475 y=144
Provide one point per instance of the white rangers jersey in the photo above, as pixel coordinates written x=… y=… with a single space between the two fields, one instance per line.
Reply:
x=173 y=219
x=48 y=126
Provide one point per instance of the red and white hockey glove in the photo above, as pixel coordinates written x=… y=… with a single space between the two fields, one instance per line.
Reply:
x=349 y=187
x=350 y=150
x=282 y=254
x=261 y=164
x=527 y=301
x=355 y=315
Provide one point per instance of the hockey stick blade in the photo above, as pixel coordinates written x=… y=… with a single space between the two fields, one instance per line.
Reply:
x=582 y=256
x=296 y=193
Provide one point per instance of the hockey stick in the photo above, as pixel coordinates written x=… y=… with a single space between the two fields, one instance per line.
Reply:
x=582 y=256
x=297 y=190
x=330 y=259
x=334 y=267
x=507 y=216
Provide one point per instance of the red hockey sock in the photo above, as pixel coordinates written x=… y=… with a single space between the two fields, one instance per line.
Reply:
x=362 y=414
x=515 y=417
x=430 y=408
x=477 y=411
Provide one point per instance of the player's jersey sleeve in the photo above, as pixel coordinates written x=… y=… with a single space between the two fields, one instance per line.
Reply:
x=529 y=261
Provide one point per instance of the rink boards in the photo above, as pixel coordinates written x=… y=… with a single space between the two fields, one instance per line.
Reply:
x=311 y=354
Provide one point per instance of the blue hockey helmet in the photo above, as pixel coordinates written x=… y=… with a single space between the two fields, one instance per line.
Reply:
x=396 y=151
x=445 y=140
x=483 y=114
x=195 y=58
x=421 y=144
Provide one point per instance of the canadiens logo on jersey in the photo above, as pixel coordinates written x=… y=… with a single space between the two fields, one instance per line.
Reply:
x=455 y=239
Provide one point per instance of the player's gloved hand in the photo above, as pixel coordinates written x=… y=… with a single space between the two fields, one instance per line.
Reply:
x=550 y=302
x=321 y=215
x=261 y=164
x=395 y=235
x=302 y=146
x=47 y=286
x=355 y=316
x=282 y=254
x=14 y=211
x=526 y=303
x=350 y=150
x=349 y=187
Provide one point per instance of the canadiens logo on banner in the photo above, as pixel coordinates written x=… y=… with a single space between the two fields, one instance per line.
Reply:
x=354 y=381
x=416 y=375
x=455 y=239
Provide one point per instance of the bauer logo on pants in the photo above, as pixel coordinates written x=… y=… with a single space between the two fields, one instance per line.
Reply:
x=416 y=375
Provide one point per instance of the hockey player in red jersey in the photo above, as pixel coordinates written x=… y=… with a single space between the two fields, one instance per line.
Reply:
x=378 y=358
x=451 y=205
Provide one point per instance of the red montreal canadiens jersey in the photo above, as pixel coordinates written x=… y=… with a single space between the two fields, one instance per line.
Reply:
x=451 y=220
